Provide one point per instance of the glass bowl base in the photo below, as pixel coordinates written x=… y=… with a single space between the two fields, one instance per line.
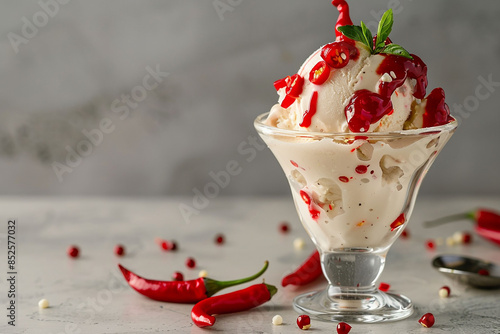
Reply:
x=366 y=307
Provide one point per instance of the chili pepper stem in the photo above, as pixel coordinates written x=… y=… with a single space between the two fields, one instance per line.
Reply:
x=213 y=286
x=451 y=218
x=272 y=289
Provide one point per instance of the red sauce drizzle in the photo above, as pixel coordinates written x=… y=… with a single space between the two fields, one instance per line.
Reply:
x=311 y=206
x=366 y=107
x=307 y=118
x=296 y=165
x=437 y=111
x=398 y=222
x=361 y=169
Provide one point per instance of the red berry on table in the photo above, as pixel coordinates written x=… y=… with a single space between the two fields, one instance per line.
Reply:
x=304 y=322
x=177 y=276
x=343 y=328
x=444 y=292
x=466 y=238
x=284 y=227
x=384 y=287
x=219 y=239
x=73 y=251
x=119 y=250
x=190 y=262
x=427 y=320
x=430 y=245
x=405 y=234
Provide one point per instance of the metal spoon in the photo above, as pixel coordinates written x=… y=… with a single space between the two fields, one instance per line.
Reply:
x=474 y=272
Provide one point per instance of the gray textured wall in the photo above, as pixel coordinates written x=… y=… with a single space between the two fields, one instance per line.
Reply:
x=74 y=72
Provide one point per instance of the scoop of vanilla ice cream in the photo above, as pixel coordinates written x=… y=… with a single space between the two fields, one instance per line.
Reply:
x=336 y=92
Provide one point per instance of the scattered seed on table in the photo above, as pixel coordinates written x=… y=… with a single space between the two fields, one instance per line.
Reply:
x=73 y=251
x=219 y=239
x=43 y=303
x=178 y=276
x=427 y=320
x=450 y=241
x=277 y=320
x=444 y=292
x=430 y=245
x=284 y=227
x=119 y=250
x=384 y=287
x=343 y=328
x=304 y=322
x=299 y=244
x=190 y=263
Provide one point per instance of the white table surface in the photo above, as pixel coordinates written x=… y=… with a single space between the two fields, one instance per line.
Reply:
x=89 y=295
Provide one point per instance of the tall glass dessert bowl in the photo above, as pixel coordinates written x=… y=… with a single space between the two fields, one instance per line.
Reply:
x=354 y=193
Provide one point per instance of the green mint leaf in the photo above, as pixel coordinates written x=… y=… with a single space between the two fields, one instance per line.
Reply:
x=367 y=36
x=352 y=32
x=397 y=50
x=384 y=29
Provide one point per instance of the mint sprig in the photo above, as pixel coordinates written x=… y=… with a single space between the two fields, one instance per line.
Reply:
x=362 y=34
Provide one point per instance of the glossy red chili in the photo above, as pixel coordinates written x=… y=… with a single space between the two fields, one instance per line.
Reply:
x=487 y=223
x=237 y=301
x=293 y=88
x=181 y=291
x=336 y=54
x=306 y=273
x=319 y=73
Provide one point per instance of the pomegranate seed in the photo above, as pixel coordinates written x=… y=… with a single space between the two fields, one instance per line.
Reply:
x=190 y=262
x=467 y=238
x=430 y=245
x=119 y=250
x=444 y=292
x=284 y=227
x=384 y=287
x=178 y=276
x=427 y=320
x=73 y=251
x=405 y=234
x=343 y=328
x=304 y=322
x=483 y=272
x=219 y=239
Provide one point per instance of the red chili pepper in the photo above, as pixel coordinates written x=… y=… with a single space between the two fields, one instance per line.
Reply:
x=487 y=223
x=319 y=73
x=293 y=88
x=181 y=291
x=306 y=273
x=336 y=54
x=237 y=301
